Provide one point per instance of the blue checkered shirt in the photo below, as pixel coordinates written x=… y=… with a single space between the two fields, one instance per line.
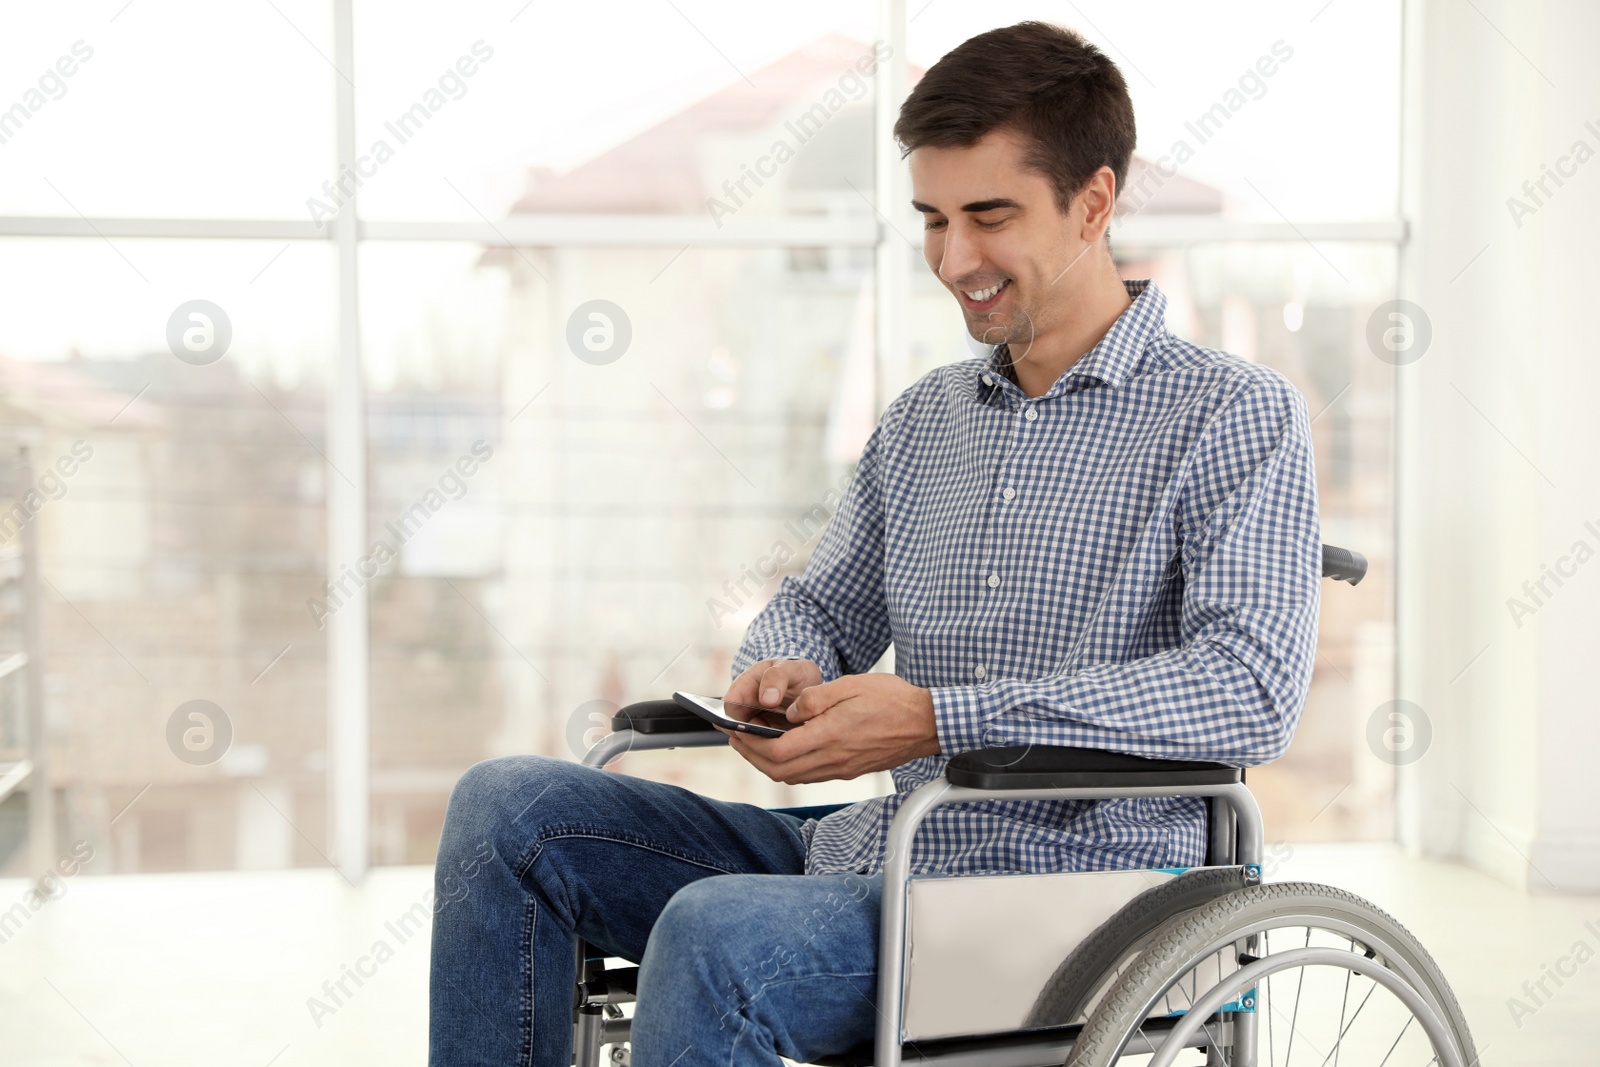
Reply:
x=1131 y=562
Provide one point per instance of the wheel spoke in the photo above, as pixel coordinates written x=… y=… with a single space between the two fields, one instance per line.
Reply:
x=1344 y=1005
x=1347 y=1019
x=1203 y=1025
x=1296 y=1030
x=1344 y=1027
x=1300 y=984
x=1398 y=1036
x=1272 y=1055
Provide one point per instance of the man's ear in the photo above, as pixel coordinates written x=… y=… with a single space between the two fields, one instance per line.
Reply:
x=1099 y=199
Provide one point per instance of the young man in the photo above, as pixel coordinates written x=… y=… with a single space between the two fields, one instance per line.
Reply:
x=1099 y=536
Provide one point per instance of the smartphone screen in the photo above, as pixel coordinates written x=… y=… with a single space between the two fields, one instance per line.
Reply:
x=734 y=716
x=773 y=717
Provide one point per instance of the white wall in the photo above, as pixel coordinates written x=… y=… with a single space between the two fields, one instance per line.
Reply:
x=1500 y=437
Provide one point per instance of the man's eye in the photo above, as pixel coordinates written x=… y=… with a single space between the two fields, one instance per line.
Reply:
x=991 y=225
x=933 y=224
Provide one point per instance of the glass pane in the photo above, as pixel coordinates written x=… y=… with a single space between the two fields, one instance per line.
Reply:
x=581 y=512
x=477 y=108
x=181 y=535
x=183 y=109
x=1251 y=100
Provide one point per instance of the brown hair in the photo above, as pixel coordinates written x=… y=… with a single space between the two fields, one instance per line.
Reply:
x=1060 y=92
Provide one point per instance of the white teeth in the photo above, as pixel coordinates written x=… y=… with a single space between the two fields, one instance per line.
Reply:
x=984 y=294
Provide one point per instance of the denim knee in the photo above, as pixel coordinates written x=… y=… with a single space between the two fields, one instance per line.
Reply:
x=694 y=941
x=704 y=934
x=491 y=795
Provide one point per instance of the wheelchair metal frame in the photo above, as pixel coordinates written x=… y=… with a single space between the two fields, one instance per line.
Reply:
x=1235 y=837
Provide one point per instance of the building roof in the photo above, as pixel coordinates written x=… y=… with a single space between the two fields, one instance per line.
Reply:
x=660 y=170
x=63 y=394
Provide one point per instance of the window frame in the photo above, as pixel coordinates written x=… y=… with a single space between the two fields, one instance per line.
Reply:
x=349 y=732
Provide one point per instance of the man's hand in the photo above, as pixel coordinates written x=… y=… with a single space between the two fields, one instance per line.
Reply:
x=853 y=726
x=773 y=683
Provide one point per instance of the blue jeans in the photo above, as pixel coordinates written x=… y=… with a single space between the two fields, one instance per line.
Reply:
x=743 y=957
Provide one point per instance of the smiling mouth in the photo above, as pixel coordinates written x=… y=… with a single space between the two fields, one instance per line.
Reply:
x=984 y=299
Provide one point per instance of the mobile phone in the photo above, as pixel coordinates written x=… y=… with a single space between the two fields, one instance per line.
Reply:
x=731 y=716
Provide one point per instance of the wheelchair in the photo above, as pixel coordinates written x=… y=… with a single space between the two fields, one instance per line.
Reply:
x=1085 y=968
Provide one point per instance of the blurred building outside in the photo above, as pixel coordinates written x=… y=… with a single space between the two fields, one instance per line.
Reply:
x=613 y=537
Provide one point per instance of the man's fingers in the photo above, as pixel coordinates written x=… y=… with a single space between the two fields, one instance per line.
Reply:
x=743 y=689
x=816 y=699
x=806 y=766
x=755 y=684
x=769 y=682
x=784 y=680
x=792 y=745
x=809 y=704
x=777 y=683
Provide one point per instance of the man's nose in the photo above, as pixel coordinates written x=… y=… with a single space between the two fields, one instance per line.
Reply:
x=960 y=257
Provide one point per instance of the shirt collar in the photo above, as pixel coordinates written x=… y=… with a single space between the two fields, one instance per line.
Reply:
x=1113 y=358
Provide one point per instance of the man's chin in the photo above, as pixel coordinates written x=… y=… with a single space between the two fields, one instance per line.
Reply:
x=987 y=332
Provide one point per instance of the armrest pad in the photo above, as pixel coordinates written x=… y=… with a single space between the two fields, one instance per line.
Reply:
x=658 y=717
x=1046 y=766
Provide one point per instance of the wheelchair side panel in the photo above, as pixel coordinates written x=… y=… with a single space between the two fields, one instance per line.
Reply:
x=979 y=949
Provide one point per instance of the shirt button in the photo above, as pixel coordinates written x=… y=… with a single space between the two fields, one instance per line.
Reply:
x=1031 y=414
x=1009 y=493
x=994 y=581
x=979 y=672
x=988 y=379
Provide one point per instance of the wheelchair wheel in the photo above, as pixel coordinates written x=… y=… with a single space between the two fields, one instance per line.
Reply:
x=1325 y=971
x=1096 y=964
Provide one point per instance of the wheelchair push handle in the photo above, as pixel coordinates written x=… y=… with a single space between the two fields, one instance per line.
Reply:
x=1343 y=564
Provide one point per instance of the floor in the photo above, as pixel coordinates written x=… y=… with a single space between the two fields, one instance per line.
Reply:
x=212 y=969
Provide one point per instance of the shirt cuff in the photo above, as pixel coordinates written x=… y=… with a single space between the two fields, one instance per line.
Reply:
x=961 y=717
x=783 y=646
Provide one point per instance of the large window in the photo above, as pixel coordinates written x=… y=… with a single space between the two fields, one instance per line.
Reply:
x=451 y=376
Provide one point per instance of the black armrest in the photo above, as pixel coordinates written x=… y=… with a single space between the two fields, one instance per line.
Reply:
x=658 y=717
x=1044 y=767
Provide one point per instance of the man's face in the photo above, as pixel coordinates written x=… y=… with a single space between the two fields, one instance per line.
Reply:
x=989 y=221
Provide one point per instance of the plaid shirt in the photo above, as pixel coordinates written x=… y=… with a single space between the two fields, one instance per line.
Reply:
x=1131 y=562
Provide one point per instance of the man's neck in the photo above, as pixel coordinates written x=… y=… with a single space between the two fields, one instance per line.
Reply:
x=1099 y=305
